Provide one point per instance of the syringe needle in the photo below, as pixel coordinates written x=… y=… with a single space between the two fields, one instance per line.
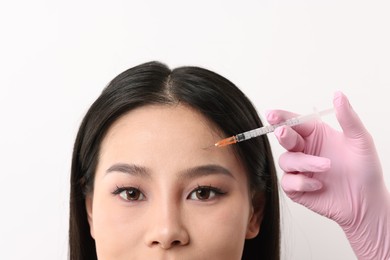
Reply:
x=226 y=141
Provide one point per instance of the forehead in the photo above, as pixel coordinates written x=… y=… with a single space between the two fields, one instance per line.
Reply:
x=162 y=135
x=178 y=123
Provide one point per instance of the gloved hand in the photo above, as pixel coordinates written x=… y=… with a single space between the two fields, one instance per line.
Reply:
x=338 y=175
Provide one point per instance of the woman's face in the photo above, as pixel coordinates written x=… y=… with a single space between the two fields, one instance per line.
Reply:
x=163 y=191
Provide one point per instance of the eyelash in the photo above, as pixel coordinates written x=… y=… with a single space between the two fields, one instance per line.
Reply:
x=208 y=189
x=217 y=192
x=120 y=190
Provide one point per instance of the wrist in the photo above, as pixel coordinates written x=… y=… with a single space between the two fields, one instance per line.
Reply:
x=369 y=231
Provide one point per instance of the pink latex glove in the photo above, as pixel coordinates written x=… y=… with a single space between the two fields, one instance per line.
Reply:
x=338 y=175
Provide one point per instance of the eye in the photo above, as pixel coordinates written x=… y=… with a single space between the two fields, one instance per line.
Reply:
x=205 y=193
x=129 y=193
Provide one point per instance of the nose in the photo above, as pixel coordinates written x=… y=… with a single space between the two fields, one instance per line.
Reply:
x=166 y=227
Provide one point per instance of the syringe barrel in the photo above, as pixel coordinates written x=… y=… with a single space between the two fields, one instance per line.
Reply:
x=289 y=122
x=255 y=133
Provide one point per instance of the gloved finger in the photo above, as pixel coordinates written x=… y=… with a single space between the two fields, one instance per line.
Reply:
x=292 y=183
x=277 y=116
x=300 y=162
x=289 y=139
x=349 y=121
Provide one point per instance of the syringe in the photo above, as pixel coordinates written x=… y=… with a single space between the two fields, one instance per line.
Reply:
x=270 y=128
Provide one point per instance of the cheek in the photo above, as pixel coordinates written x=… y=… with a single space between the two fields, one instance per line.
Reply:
x=116 y=228
x=222 y=231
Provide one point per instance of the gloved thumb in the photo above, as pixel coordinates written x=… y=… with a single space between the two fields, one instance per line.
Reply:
x=348 y=119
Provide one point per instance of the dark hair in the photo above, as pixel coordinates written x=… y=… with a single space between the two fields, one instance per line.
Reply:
x=217 y=99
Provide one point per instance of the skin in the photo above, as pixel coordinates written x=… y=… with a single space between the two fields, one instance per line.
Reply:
x=164 y=163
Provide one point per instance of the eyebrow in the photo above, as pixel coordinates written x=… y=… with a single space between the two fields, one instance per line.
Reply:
x=205 y=170
x=191 y=173
x=131 y=169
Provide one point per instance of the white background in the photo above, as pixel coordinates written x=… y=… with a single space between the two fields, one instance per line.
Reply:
x=57 y=56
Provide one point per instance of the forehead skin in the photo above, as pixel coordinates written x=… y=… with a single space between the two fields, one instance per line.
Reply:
x=181 y=127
